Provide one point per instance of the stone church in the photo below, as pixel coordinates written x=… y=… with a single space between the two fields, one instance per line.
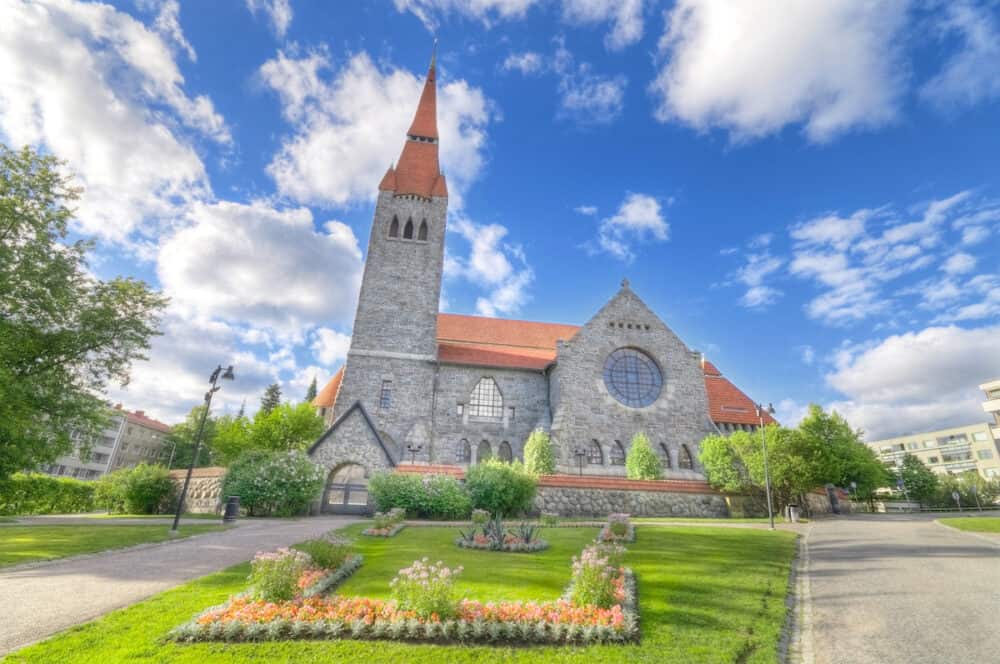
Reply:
x=424 y=387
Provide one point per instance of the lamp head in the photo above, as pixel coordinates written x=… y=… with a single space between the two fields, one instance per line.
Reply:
x=228 y=375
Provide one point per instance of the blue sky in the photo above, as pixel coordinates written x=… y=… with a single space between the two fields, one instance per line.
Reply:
x=806 y=192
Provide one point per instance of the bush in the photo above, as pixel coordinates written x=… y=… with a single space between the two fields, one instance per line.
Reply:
x=428 y=496
x=503 y=489
x=144 y=489
x=539 y=458
x=327 y=552
x=30 y=493
x=274 y=483
x=641 y=463
x=275 y=576
x=426 y=589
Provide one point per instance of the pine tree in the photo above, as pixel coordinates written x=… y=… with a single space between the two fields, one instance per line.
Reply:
x=311 y=392
x=539 y=459
x=271 y=398
x=243 y=410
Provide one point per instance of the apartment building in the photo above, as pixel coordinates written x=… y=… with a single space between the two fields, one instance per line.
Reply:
x=947 y=451
x=992 y=404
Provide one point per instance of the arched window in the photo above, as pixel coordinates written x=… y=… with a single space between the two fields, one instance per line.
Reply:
x=684 y=459
x=408 y=230
x=484 y=451
x=617 y=454
x=486 y=400
x=594 y=455
x=504 y=453
x=422 y=233
x=464 y=452
x=665 y=455
x=394 y=227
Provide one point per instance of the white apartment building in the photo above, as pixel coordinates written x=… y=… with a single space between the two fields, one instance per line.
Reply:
x=992 y=404
x=946 y=451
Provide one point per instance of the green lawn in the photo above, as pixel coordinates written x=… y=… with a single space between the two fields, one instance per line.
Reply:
x=979 y=524
x=23 y=544
x=213 y=517
x=705 y=595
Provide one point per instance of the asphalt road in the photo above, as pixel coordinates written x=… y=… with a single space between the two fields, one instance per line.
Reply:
x=887 y=588
x=40 y=601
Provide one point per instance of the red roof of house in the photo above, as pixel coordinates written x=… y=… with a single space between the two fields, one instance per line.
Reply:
x=521 y=344
x=139 y=417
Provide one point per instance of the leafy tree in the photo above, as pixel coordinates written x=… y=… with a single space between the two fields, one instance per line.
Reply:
x=64 y=334
x=919 y=481
x=311 y=392
x=183 y=436
x=970 y=487
x=286 y=427
x=641 y=462
x=232 y=438
x=271 y=398
x=539 y=457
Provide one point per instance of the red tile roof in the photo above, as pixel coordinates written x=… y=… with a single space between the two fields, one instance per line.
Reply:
x=425 y=119
x=728 y=403
x=328 y=395
x=418 y=170
x=139 y=417
x=388 y=182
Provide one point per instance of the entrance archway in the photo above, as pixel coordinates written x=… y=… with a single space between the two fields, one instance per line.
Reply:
x=347 y=490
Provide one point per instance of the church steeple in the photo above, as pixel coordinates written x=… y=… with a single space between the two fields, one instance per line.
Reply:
x=418 y=171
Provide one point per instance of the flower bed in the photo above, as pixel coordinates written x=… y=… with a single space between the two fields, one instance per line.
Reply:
x=318 y=582
x=391 y=531
x=618 y=529
x=510 y=544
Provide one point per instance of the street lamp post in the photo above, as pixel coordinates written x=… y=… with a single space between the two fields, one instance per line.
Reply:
x=767 y=475
x=213 y=380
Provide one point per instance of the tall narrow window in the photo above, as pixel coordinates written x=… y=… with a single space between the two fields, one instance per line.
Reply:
x=504 y=452
x=385 y=396
x=684 y=459
x=484 y=451
x=665 y=455
x=594 y=455
x=464 y=451
x=617 y=456
x=422 y=233
x=408 y=230
x=486 y=400
x=394 y=227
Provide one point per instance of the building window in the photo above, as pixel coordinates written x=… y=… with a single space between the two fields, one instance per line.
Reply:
x=665 y=455
x=684 y=459
x=484 y=451
x=464 y=451
x=394 y=227
x=459 y=409
x=486 y=400
x=594 y=455
x=408 y=230
x=504 y=452
x=617 y=457
x=980 y=436
x=912 y=446
x=933 y=459
x=632 y=377
x=422 y=233
x=928 y=444
x=385 y=396
x=985 y=454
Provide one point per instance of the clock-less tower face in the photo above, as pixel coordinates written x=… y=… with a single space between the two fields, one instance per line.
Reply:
x=632 y=377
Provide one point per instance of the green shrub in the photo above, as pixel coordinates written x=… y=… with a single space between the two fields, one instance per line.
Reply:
x=641 y=463
x=327 y=552
x=503 y=489
x=427 y=496
x=144 y=489
x=426 y=588
x=31 y=493
x=275 y=576
x=539 y=458
x=274 y=483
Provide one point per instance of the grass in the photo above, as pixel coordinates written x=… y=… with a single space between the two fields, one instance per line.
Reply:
x=705 y=595
x=213 y=517
x=978 y=524
x=23 y=544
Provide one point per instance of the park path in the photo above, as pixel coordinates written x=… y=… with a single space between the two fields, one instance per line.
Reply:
x=888 y=588
x=40 y=601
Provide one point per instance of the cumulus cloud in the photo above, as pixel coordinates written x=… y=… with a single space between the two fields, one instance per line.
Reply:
x=485 y=11
x=971 y=74
x=348 y=128
x=493 y=265
x=330 y=346
x=752 y=274
x=91 y=101
x=586 y=96
x=278 y=12
x=639 y=219
x=527 y=63
x=916 y=381
x=752 y=68
x=267 y=267
x=625 y=17
x=959 y=263
x=586 y=210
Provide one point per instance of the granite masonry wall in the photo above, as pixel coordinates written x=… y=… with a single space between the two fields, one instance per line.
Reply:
x=599 y=502
x=204 y=494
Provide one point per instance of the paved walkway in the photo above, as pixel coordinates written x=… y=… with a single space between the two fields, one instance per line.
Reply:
x=38 y=602
x=888 y=588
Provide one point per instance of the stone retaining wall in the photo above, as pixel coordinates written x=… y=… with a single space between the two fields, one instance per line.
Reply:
x=597 y=502
x=204 y=494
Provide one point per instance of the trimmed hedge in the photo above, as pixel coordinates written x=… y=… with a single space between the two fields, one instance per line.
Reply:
x=501 y=488
x=144 y=489
x=428 y=497
x=32 y=493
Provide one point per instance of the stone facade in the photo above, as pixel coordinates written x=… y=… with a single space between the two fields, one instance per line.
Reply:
x=204 y=494
x=599 y=502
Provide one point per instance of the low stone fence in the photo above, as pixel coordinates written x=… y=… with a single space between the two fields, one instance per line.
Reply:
x=569 y=495
x=204 y=494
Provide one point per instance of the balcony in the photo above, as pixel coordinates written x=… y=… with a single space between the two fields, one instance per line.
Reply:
x=992 y=406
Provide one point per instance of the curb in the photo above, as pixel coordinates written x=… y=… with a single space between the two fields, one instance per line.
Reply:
x=796 y=645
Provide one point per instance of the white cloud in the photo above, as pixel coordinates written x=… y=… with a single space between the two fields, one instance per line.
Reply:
x=90 y=101
x=486 y=11
x=971 y=74
x=168 y=24
x=329 y=346
x=916 y=381
x=959 y=263
x=753 y=273
x=527 y=63
x=497 y=267
x=586 y=210
x=279 y=13
x=754 y=67
x=625 y=17
x=808 y=354
x=349 y=129
x=266 y=267
x=585 y=96
x=639 y=218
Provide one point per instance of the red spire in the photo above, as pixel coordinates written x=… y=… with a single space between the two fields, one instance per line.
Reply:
x=418 y=169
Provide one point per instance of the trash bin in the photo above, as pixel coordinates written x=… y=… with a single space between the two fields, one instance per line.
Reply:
x=793 y=513
x=232 y=509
